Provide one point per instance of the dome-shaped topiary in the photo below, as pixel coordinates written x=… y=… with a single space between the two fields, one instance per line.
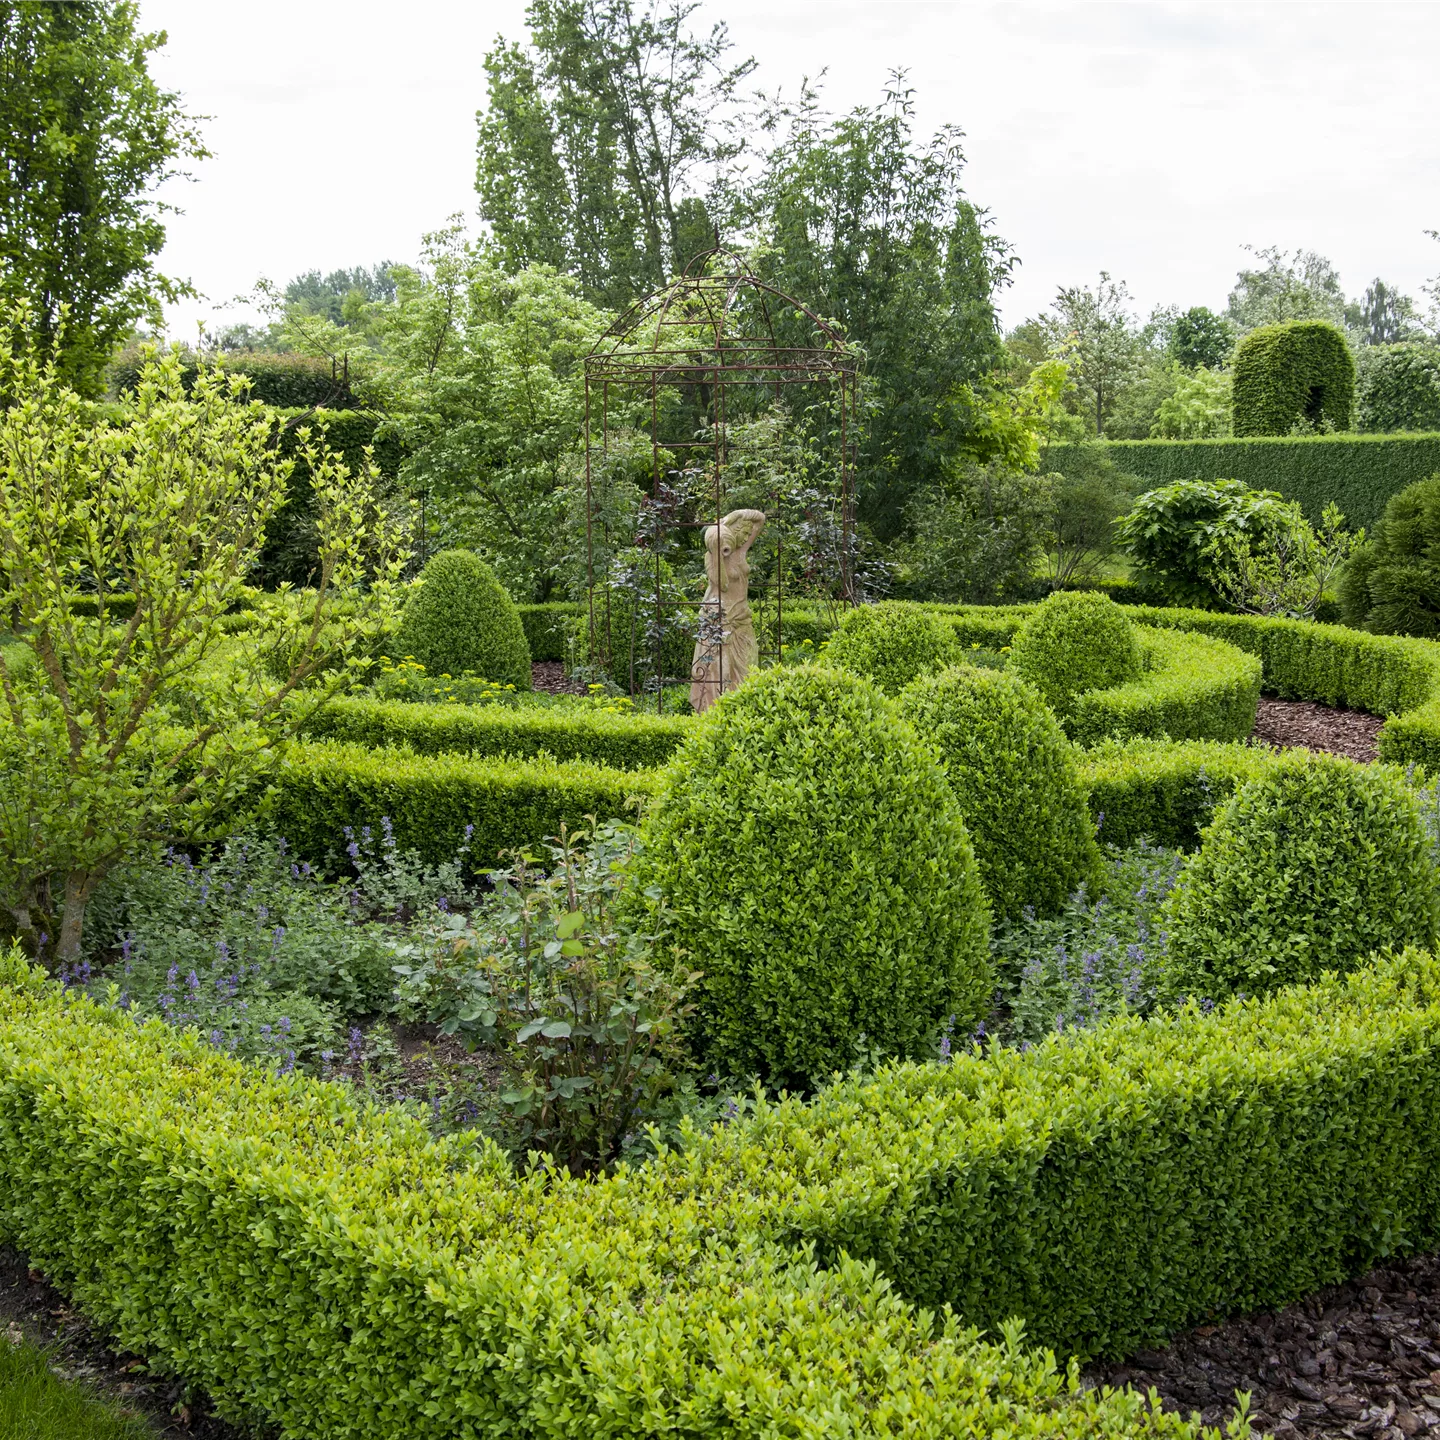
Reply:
x=1310 y=867
x=459 y=619
x=892 y=644
x=807 y=856
x=1300 y=372
x=1013 y=772
x=1076 y=641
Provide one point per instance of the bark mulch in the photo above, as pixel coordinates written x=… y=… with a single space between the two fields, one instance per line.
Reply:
x=1287 y=724
x=549 y=676
x=30 y=1309
x=1355 y=1360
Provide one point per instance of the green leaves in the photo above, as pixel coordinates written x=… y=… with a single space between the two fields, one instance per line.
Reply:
x=113 y=742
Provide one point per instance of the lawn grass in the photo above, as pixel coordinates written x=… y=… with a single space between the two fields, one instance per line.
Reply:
x=37 y=1405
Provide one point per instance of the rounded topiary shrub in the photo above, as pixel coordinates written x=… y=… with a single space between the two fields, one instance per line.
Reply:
x=1013 y=773
x=1311 y=867
x=892 y=644
x=806 y=855
x=1300 y=373
x=460 y=620
x=1076 y=641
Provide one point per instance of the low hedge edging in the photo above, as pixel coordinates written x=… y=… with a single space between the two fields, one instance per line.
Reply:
x=1164 y=789
x=322 y=787
x=623 y=742
x=1115 y=1185
x=1193 y=688
x=325 y=1266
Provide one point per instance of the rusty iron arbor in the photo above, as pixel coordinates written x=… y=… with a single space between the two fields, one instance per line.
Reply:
x=688 y=364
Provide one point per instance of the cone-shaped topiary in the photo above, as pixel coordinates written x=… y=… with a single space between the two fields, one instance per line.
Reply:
x=1013 y=772
x=1311 y=867
x=892 y=644
x=807 y=856
x=1076 y=641
x=459 y=619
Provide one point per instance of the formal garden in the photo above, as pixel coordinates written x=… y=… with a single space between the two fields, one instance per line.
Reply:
x=664 y=843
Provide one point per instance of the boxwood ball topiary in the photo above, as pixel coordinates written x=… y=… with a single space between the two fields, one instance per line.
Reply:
x=1014 y=774
x=892 y=644
x=807 y=856
x=1076 y=641
x=1312 y=866
x=459 y=618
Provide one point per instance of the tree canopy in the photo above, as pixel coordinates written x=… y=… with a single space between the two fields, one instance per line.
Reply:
x=85 y=137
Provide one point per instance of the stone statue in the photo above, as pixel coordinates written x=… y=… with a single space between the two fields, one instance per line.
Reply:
x=725 y=648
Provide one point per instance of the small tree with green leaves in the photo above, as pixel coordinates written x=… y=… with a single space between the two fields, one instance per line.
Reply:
x=123 y=729
x=1287 y=572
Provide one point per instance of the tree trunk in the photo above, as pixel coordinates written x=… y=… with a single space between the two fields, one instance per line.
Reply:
x=79 y=887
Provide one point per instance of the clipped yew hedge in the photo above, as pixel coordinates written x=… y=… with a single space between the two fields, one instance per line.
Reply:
x=1358 y=472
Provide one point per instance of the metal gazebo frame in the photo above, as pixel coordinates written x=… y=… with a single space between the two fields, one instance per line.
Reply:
x=690 y=338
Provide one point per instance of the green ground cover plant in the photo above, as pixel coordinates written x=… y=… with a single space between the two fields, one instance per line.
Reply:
x=1013 y=773
x=805 y=854
x=1101 y=956
x=36 y=1404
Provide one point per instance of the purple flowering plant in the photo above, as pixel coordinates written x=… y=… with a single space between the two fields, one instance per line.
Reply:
x=1098 y=958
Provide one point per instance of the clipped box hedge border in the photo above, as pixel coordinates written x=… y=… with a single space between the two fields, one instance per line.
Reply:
x=623 y=742
x=324 y=1266
x=330 y=1267
x=322 y=787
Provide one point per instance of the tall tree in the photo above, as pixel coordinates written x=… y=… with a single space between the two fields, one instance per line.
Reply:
x=1103 y=344
x=866 y=225
x=481 y=373
x=1383 y=316
x=1298 y=286
x=600 y=139
x=85 y=137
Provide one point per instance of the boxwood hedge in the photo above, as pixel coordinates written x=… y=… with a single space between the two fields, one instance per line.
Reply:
x=1114 y=1185
x=625 y=742
x=327 y=1268
x=323 y=786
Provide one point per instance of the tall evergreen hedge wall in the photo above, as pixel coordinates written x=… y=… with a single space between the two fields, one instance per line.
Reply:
x=1358 y=472
x=1299 y=371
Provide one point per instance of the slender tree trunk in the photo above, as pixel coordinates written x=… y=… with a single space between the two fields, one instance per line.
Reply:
x=79 y=887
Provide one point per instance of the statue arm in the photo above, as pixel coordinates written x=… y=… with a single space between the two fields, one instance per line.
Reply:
x=744 y=527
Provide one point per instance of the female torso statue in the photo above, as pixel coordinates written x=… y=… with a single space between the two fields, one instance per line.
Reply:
x=725 y=648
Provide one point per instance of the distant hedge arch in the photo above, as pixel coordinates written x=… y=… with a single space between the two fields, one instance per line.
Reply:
x=1299 y=371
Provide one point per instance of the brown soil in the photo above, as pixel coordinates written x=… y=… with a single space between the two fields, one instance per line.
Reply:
x=1361 y=1359
x=1288 y=724
x=549 y=676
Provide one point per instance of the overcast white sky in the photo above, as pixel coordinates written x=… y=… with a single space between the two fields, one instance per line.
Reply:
x=1151 y=140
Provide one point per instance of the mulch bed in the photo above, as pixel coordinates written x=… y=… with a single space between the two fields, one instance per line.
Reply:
x=30 y=1309
x=549 y=676
x=1290 y=724
x=1354 y=1360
